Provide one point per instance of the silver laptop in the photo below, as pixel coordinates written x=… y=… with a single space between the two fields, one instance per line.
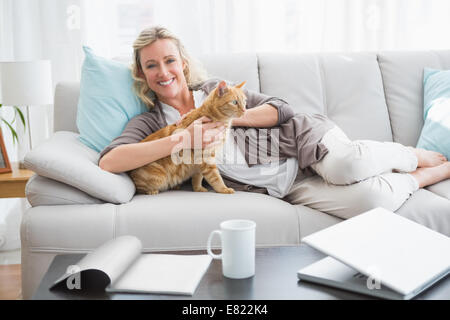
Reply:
x=379 y=253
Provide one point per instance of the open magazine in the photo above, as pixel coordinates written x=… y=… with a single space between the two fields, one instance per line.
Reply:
x=121 y=267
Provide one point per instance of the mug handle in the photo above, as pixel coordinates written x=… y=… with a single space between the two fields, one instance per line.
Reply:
x=208 y=244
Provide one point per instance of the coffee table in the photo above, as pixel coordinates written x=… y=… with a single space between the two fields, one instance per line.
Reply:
x=275 y=279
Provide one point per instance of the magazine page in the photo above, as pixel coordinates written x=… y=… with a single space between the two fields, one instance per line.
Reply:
x=112 y=259
x=163 y=274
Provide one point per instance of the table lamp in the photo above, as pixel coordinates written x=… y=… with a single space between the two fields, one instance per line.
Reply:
x=26 y=83
x=5 y=166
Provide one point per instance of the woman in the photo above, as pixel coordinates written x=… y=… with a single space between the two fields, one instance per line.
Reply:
x=352 y=176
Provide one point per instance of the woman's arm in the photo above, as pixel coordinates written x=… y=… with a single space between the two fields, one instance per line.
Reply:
x=265 y=105
x=264 y=116
x=264 y=111
x=130 y=156
x=134 y=155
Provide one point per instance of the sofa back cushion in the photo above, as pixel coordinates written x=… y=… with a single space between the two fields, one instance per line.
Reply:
x=403 y=84
x=295 y=78
x=65 y=108
x=354 y=95
x=345 y=87
x=233 y=67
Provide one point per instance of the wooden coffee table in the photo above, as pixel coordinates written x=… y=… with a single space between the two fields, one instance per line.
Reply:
x=275 y=279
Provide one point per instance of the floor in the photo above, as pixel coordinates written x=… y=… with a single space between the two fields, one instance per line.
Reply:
x=10 y=257
x=10 y=276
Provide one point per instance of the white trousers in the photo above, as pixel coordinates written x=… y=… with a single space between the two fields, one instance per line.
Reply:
x=356 y=176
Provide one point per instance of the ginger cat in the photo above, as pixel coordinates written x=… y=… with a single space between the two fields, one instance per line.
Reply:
x=222 y=104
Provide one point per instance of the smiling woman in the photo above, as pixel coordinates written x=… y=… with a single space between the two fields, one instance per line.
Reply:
x=164 y=74
x=164 y=70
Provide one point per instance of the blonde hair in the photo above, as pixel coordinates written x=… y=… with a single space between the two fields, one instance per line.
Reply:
x=193 y=72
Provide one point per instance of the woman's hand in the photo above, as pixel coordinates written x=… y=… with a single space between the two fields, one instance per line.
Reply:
x=182 y=117
x=203 y=133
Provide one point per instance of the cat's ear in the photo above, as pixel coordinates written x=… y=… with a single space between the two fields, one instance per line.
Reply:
x=241 y=85
x=222 y=88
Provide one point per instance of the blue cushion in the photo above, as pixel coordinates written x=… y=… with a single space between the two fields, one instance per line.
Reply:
x=435 y=134
x=107 y=101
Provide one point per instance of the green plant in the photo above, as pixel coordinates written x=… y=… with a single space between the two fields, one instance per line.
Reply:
x=9 y=124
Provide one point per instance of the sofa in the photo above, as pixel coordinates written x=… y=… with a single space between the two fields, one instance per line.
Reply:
x=370 y=95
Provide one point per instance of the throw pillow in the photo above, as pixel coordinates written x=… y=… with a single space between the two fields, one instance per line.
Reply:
x=107 y=101
x=435 y=133
x=63 y=158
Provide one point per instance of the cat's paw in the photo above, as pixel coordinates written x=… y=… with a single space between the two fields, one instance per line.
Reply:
x=201 y=189
x=227 y=190
x=152 y=192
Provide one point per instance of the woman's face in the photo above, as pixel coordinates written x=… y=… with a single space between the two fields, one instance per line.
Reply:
x=163 y=68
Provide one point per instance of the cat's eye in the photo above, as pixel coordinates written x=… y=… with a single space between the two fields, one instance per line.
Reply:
x=235 y=102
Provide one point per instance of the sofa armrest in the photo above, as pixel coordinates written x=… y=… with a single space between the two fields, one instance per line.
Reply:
x=65 y=159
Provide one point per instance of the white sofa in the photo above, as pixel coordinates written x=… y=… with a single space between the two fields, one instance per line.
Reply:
x=369 y=95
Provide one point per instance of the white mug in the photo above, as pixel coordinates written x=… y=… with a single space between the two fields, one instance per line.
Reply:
x=238 y=248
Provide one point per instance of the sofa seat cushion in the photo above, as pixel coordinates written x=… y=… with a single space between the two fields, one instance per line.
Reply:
x=67 y=229
x=184 y=220
x=312 y=220
x=428 y=209
x=441 y=188
x=167 y=221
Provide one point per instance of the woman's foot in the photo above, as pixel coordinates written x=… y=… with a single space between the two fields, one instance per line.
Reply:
x=432 y=175
x=428 y=158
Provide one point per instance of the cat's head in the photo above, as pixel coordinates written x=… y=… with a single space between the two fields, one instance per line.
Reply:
x=226 y=102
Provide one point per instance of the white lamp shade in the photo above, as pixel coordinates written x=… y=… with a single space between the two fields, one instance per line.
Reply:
x=26 y=83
